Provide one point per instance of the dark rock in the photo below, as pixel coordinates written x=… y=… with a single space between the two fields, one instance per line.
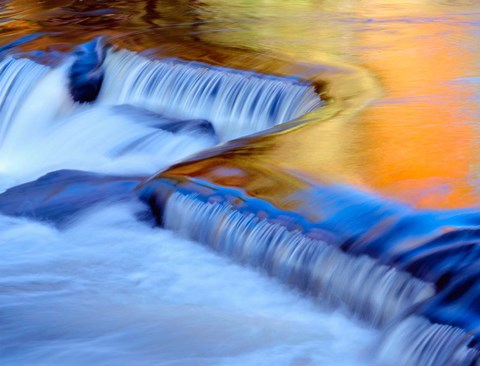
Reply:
x=59 y=196
x=86 y=73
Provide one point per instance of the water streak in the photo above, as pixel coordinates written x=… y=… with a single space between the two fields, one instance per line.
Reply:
x=17 y=77
x=371 y=291
x=413 y=273
x=417 y=341
x=111 y=290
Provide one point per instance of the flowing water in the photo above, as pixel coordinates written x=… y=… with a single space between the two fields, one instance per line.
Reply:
x=107 y=288
x=282 y=248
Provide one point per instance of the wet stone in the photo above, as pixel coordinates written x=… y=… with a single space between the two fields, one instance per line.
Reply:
x=86 y=73
x=59 y=196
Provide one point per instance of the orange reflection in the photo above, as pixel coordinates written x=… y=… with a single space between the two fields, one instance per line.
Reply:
x=420 y=140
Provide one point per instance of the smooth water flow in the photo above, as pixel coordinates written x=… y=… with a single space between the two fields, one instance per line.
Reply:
x=236 y=102
x=412 y=274
x=373 y=292
x=43 y=130
x=17 y=77
x=344 y=241
x=110 y=290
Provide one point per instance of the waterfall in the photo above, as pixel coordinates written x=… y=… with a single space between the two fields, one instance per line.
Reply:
x=43 y=130
x=81 y=279
x=17 y=78
x=52 y=118
x=236 y=102
x=371 y=291
x=417 y=341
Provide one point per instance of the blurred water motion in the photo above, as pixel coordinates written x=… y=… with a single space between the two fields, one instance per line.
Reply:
x=71 y=293
x=391 y=89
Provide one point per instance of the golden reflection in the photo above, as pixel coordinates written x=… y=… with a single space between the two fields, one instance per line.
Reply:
x=416 y=142
x=420 y=139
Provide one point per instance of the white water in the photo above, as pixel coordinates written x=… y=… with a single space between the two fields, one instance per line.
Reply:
x=381 y=295
x=110 y=290
x=16 y=78
x=48 y=132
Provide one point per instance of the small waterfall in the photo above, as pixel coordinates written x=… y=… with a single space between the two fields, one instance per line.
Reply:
x=417 y=341
x=373 y=292
x=42 y=129
x=17 y=78
x=236 y=102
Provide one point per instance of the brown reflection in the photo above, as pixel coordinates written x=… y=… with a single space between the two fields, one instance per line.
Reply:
x=256 y=178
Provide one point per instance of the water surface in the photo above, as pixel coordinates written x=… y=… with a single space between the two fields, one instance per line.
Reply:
x=401 y=82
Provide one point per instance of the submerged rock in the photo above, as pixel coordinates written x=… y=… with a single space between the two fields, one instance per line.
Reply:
x=57 y=197
x=166 y=123
x=194 y=125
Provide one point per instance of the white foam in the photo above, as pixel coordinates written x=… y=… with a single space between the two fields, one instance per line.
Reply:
x=17 y=78
x=109 y=290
